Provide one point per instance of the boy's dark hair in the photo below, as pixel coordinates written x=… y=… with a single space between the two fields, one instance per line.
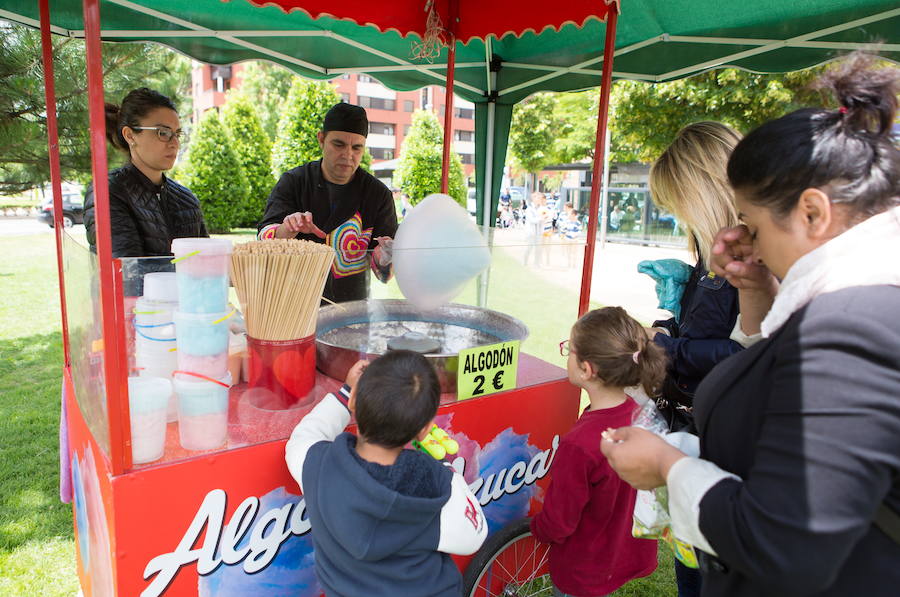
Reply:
x=137 y=104
x=607 y=338
x=397 y=395
x=848 y=150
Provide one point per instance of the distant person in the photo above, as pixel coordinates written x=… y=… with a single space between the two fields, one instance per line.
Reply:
x=505 y=197
x=615 y=218
x=333 y=201
x=537 y=228
x=628 y=220
x=384 y=519
x=587 y=513
x=571 y=233
x=147 y=210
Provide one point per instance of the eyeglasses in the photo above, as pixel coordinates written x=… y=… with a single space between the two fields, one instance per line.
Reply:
x=164 y=133
x=565 y=348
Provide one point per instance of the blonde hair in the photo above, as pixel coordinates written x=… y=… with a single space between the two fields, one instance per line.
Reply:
x=689 y=180
x=619 y=349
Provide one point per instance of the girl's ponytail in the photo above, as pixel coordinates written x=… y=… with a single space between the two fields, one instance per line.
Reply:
x=652 y=362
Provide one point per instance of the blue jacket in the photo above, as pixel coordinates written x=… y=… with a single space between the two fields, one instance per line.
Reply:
x=380 y=530
x=700 y=338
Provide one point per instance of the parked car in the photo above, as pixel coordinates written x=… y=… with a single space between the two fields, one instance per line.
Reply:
x=73 y=210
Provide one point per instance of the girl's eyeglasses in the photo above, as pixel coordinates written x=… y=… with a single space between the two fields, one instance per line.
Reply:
x=565 y=348
x=164 y=133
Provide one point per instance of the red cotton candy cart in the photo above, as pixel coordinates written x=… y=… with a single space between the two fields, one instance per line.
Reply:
x=230 y=520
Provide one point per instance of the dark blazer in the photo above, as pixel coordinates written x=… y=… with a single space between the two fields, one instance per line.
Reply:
x=144 y=217
x=810 y=420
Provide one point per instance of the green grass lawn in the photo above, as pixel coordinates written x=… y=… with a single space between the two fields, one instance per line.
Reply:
x=37 y=553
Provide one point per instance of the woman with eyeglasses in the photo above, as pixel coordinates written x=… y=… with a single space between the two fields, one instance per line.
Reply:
x=147 y=210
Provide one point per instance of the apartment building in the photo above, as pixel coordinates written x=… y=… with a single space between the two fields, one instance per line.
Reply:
x=390 y=112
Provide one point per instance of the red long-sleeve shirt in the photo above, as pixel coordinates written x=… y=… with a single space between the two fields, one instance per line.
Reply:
x=587 y=513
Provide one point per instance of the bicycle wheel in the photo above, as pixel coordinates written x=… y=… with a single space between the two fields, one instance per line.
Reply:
x=512 y=563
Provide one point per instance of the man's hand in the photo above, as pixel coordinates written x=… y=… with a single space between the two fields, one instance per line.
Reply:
x=641 y=458
x=300 y=222
x=732 y=257
x=384 y=252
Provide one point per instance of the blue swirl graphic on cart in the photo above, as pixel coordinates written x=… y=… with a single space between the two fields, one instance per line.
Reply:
x=291 y=572
x=502 y=462
x=81 y=516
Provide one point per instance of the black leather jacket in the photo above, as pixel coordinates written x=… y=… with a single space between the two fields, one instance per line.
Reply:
x=145 y=217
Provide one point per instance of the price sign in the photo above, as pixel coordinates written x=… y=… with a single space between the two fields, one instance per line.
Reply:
x=487 y=369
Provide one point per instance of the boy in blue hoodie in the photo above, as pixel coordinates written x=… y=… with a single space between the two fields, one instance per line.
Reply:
x=384 y=519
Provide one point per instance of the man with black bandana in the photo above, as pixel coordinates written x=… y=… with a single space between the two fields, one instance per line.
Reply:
x=333 y=201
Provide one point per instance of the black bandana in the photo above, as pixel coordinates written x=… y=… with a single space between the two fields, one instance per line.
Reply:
x=347 y=118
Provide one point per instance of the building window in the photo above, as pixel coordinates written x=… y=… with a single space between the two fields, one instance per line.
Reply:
x=424 y=97
x=380 y=153
x=467 y=158
x=467 y=113
x=364 y=79
x=345 y=76
x=381 y=128
x=442 y=111
x=377 y=103
x=463 y=135
x=406 y=128
x=409 y=105
x=345 y=97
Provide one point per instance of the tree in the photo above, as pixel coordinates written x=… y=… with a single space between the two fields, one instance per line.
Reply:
x=303 y=112
x=419 y=172
x=576 y=118
x=268 y=84
x=532 y=133
x=646 y=117
x=24 y=161
x=254 y=152
x=214 y=173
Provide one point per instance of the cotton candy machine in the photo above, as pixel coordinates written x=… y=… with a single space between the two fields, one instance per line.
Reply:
x=351 y=331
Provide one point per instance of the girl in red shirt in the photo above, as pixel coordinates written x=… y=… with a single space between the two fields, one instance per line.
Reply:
x=587 y=511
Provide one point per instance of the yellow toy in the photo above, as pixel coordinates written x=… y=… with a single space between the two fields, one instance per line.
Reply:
x=437 y=444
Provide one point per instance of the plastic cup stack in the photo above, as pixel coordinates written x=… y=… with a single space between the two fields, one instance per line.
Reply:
x=148 y=398
x=203 y=343
x=202 y=266
x=202 y=410
x=155 y=354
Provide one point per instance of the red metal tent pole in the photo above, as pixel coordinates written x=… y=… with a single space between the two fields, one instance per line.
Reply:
x=55 y=173
x=448 y=98
x=114 y=370
x=599 y=158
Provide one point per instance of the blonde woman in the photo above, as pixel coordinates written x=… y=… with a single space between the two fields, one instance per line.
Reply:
x=690 y=181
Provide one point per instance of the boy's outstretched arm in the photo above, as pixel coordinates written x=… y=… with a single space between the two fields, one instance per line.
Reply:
x=323 y=423
x=463 y=527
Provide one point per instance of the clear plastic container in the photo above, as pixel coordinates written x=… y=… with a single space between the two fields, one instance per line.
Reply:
x=202 y=334
x=160 y=286
x=148 y=398
x=202 y=410
x=202 y=266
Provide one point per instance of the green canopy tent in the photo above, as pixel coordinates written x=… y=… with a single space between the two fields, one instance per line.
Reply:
x=656 y=40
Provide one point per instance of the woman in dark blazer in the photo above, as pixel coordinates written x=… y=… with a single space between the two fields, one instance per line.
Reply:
x=799 y=462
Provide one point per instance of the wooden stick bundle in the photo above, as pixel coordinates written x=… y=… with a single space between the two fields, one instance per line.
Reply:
x=279 y=283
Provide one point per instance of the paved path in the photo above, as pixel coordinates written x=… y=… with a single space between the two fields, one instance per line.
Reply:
x=615 y=278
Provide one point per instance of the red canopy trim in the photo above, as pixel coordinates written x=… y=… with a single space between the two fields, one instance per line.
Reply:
x=478 y=19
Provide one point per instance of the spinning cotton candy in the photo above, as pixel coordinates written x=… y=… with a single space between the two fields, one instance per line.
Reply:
x=436 y=251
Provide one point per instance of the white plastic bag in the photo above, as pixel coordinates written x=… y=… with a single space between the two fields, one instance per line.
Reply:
x=437 y=250
x=651 y=518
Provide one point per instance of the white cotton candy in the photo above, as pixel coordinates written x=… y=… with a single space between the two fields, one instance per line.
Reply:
x=437 y=250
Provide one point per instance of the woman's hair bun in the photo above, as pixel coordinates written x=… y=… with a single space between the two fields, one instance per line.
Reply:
x=867 y=94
